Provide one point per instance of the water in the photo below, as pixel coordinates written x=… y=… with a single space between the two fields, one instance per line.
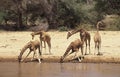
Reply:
x=31 y=69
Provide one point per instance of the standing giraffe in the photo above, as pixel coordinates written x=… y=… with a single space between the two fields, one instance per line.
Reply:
x=45 y=37
x=97 y=41
x=86 y=34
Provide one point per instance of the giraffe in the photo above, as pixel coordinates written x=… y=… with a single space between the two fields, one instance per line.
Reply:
x=86 y=34
x=74 y=47
x=45 y=37
x=32 y=46
x=97 y=40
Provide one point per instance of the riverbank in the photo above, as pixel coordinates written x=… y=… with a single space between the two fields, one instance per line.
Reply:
x=56 y=59
x=12 y=42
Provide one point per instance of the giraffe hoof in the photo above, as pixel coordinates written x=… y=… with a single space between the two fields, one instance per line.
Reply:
x=40 y=62
x=86 y=54
x=25 y=61
x=61 y=61
x=31 y=59
x=81 y=57
x=100 y=54
x=80 y=61
x=50 y=53
x=21 y=60
x=43 y=47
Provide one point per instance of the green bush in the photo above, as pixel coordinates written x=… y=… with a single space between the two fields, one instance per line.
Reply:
x=118 y=23
x=63 y=28
x=85 y=26
x=115 y=25
x=1 y=16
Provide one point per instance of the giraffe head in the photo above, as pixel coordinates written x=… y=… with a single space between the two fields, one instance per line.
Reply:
x=19 y=57
x=61 y=60
x=83 y=36
x=32 y=34
x=82 y=30
x=68 y=34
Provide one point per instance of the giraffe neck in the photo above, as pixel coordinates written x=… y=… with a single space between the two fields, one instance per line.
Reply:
x=97 y=30
x=83 y=39
x=82 y=42
x=24 y=49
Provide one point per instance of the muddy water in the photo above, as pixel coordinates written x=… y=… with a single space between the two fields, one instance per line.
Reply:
x=58 y=70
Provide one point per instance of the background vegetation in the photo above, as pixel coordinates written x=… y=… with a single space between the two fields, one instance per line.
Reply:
x=59 y=14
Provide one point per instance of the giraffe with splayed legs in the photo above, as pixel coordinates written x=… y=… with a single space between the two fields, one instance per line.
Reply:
x=86 y=34
x=74 y=47
x=32 y=46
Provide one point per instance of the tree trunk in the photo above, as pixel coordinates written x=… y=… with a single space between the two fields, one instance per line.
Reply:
x=19 y=11
x=20 y=25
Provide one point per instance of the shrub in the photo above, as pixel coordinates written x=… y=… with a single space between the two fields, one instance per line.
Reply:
x=85 y=26
x=115 y=25
x=63 y=28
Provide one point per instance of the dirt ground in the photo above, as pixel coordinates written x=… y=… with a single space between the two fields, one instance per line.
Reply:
x=12 y=42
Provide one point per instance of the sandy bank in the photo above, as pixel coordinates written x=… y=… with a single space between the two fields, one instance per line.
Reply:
x=56 y=59
x=12 y=42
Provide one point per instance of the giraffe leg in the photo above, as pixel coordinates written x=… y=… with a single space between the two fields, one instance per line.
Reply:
x=95 y=48
x=65 y=55
x=39 y=53
x=98 y=49
x=89 y=46
x=41 y=43
x=82 y=50
x=49 y=45
x=86 y=47
x=44 y=44
x=37 y=56
x=26 y=56
x=33 y=56
x=82 y=55
x=77 y=57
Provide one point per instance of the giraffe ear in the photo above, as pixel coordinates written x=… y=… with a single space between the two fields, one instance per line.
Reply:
x=32 y=34
x=68 y=34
